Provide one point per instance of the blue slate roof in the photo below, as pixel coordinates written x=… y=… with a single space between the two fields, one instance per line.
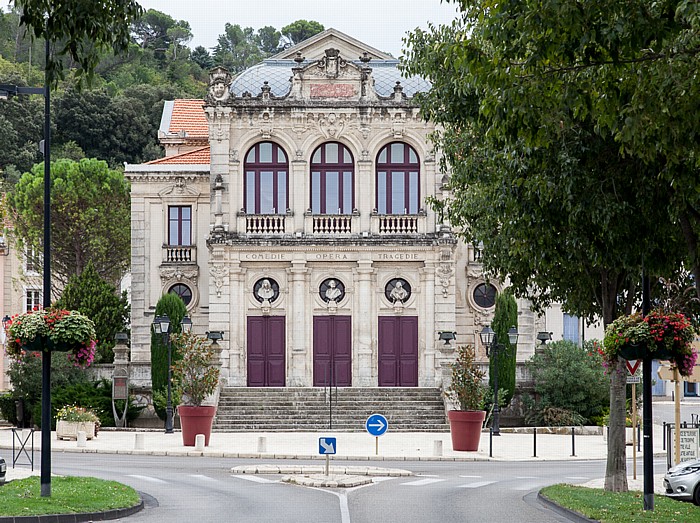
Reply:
x=279 y=72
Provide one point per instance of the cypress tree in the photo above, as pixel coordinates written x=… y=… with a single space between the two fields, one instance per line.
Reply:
x=505 y=316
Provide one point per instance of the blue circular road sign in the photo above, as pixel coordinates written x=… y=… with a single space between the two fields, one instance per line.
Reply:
x=376 y=424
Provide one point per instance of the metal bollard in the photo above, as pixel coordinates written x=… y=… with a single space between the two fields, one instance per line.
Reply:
x=262 y=444
x=664 y=439
x=491 y=442
x=199 y=442
x=81 y=439
x=437 y=447
x=573 y=442
x=534 y=442
x=138 y=441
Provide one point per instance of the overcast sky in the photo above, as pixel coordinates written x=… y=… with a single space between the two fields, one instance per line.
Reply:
x=379 y=23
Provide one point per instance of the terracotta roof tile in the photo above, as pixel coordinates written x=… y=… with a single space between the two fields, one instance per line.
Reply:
x=196 y=157
x=188 y=115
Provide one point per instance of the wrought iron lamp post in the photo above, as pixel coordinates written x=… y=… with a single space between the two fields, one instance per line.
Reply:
x=493 y=347
x=161 y=325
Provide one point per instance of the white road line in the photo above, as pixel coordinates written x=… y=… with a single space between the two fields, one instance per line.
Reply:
x=202 y=477
x=382 y=478
x=526 y=477
x=428 y=475
x=476 y=484
x=422 y=482
x=147 y=478
x=469 y=476
x=255 y=479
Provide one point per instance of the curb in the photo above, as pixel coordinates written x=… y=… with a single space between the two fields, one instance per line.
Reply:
x=572 y=515
x=82 y=517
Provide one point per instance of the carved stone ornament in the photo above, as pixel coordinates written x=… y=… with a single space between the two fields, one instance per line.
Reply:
x=219 y=85
x=331 y=125
x=218 y=274
x=265 y=122
x=332 y=291
x=332 y=64
x=397 y=290
x=266 y=291
x=179 y=273
x=444 y=272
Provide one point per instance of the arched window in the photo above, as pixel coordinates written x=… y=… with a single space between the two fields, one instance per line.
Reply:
x=332 y=180
x=183 y=291
x=266 y=174
x=398 y=179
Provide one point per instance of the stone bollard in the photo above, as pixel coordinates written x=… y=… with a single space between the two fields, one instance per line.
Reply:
x=138 y=441
x=199 y=442
x=437 y=447
x=262 y=444
x=82 y=438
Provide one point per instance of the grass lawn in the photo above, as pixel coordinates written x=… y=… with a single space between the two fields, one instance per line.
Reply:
x=69 y=495
x=620 y=507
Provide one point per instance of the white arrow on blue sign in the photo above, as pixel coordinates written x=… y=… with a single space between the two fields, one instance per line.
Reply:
x=376 y=424
x=326 y=446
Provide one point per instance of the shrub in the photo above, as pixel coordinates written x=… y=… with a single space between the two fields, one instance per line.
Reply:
x=96 y=396
x=505 y=316
x=570 y=378
x=467 y=388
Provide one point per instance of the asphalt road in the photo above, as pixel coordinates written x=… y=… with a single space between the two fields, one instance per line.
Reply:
x=179 y=489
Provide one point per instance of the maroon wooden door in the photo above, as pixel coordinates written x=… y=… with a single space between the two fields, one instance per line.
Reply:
x=332 y=351
x=398 y=351
x=266 y=351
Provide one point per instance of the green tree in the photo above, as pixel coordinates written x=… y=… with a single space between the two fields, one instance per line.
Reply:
x=301 y=30
x=535 y=176
x=505 y=316
x=78 y=30
x=238 y=48
x=202 y=57
x=170 y=305
x=100 y=301
x=91 y=213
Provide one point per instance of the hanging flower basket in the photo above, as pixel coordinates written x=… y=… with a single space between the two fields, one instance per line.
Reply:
x=660 y=335
x=52 y=330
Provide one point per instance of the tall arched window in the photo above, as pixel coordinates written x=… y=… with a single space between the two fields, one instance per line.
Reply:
x=332 y=180
x=266 y=174
x=398 y=179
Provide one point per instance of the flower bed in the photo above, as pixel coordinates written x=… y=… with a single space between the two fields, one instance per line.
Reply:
x=52 y=330
x=659 y=335
x=71 y=419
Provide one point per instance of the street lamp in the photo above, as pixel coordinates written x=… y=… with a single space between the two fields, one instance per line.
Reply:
x=161 y=325
x=493 y=347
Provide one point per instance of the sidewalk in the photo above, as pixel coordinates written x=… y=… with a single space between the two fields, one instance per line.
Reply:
x=356 y=446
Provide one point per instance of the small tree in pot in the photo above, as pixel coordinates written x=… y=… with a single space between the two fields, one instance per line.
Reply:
x=468 y=391
x=196 y=377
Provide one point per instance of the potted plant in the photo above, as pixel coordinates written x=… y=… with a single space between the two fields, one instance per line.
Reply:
x=659 y=335
x=70 y=419
x=52 y=330
x=196 y=377
x=468 y=392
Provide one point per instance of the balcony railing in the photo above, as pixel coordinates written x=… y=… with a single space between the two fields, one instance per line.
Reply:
x=391 y=224
x=265 y=224
x=180 y=254
x=332 y=224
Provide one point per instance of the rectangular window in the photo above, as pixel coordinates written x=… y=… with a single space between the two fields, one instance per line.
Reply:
x=347 y=192
x=267 y=193
x=398 y=193
x=281 y=192
x=180 y=225
x=33 y=299
x=250 y=192
x=332 y=201
x=571 y=328
x=381 y=192
x=413 y=193
x=31 y=264
x=316 y=192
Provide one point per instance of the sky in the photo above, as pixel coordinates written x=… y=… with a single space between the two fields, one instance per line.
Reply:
x=378 y=23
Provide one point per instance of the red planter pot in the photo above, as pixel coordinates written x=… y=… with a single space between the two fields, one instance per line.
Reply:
x=195 y=420
x=465 y=428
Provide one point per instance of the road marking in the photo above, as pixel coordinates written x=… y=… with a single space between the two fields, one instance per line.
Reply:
x=255 y=479
x=526 y=477
x=380 y=479
x=422 y=482
x=202 y=477
x=428 y=475
x=477 y=484
x=148 y=478
x=469 y=476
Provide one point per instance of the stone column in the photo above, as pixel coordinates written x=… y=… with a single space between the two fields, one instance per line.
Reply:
x=427 y=374
x=299 y=370
x=364 y=360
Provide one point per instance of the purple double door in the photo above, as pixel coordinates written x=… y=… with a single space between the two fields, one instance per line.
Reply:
x=332 y=351
x=266 y=351
x=398 y=351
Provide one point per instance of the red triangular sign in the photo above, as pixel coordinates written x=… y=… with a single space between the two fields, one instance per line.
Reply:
x=632 y=366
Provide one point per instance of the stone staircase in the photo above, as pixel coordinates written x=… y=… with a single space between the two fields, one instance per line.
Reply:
x=407 y=409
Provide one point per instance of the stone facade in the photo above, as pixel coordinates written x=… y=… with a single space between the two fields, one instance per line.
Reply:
x=312 y=246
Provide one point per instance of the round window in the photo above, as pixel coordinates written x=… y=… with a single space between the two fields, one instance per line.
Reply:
x=485 y=295
x=183 y=291
x=266 y=289
x=331 y=290
x=397 y=289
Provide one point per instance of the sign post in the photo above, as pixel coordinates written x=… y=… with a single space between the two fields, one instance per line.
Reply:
x=633 y=378
x=376 y=425
x=326 y=447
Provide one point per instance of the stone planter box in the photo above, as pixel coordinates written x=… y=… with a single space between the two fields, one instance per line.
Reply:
x=70 y=429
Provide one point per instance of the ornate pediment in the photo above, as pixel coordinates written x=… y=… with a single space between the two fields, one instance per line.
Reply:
x=331 y=78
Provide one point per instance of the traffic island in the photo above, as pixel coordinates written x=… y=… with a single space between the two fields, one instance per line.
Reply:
x=320 y=469
x=330 y=481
